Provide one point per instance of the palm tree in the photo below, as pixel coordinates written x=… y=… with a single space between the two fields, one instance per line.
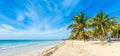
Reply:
x=101 y=23
x=103 y=27
x=114 y=34
x=80 y=22
x=116 y=31
x=110 y=28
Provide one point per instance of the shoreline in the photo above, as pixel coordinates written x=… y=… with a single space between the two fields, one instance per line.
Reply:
x=73 y=48
x=50 y=51
x=28 y=50
x=38 y=52
x=81 y=48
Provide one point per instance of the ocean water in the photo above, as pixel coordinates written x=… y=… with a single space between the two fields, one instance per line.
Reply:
x=19 y=44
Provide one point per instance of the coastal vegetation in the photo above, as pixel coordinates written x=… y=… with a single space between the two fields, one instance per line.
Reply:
x=100 y=27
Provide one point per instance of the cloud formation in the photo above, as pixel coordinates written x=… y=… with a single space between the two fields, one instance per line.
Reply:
x=45 y=19
x=45 y=23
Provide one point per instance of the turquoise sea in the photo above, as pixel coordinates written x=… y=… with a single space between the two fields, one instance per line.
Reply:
x=14 y=45
x=9 y=44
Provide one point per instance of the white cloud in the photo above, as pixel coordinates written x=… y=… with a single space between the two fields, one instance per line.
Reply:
x=51 y=5
x=7 y=27
x=9 y=20
x=20 y=17
x=114 y=10
x=9 y=32
x=69 y=3
x=41 y=27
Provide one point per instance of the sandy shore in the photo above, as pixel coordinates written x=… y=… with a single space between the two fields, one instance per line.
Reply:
x=70 y=48
x=29 y=50
x=81 y=48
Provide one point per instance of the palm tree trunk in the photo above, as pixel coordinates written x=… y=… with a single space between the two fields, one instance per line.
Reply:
x=76 y=36
x=77 y=33
x=102 y=29
x=117 y=35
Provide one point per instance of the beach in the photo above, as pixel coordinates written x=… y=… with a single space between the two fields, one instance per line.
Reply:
x=59 y=27
x=67 y=48
x=81 y=48
x=25 y=47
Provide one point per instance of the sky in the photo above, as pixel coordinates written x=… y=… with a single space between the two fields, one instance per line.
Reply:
x=47 y=19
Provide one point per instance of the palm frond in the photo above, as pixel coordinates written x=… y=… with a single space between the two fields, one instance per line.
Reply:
x=71 y=26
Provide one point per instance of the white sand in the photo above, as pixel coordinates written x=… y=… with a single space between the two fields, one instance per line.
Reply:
x=91 y=48
x=78 y=48
x=32 y=50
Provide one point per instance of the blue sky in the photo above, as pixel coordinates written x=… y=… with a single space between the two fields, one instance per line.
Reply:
x=47 y=19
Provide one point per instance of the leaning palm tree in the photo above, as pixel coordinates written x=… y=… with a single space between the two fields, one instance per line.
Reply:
x=102 y=22
x=80 y=22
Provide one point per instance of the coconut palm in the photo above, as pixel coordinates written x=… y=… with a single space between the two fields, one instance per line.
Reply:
x=116 y=31
x=110 y=28
x=102 y=27
x=80 y=22
x=101 y=23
